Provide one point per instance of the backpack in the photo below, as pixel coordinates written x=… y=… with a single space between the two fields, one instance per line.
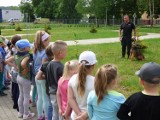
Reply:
x=31 y=64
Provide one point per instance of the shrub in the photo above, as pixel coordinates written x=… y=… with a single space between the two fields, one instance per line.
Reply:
x=18 y=28
x=47 y=28
x=93 y=30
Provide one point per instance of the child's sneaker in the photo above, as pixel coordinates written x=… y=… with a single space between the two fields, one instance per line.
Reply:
x=29 y=116
x=20 y=115
x=41 y=118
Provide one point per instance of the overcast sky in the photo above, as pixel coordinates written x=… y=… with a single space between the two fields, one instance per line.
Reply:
x=9 y=2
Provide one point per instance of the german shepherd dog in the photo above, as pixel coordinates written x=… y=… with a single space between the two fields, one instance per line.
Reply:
x=135 y=52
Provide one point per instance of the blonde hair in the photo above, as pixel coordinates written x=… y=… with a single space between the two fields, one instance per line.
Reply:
x=104 y=76
x=58 y=46
x=38 y=44
x=49 y=52
x=82 y=74
x=69 y=66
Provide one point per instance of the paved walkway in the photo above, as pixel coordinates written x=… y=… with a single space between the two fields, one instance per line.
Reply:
x=109 y=40
x=6 y=110
x=20 y=35
x=102 y=40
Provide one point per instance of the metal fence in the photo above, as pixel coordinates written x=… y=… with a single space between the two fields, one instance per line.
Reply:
x=103 y=21
x=98 y=22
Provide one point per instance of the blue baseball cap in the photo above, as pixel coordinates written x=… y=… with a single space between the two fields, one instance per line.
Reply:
x=23 y=43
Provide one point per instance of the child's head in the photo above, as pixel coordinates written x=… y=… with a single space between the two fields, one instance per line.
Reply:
x=59 y=49
x=105 y=79
x=87 y=60
x=41 y=40
x=70 y=68
x=23 y=45
x=49 y=52
x=15 y=38
x=150 y=74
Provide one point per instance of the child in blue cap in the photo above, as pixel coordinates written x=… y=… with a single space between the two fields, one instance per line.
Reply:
x=22 y=59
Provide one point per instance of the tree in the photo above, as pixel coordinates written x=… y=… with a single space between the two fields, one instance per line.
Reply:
x=27 y=9
x=45 y=8
x=66 y=9
x=85 y=7
x=100 y=9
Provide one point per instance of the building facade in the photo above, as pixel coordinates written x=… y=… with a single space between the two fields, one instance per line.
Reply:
x=6 y=15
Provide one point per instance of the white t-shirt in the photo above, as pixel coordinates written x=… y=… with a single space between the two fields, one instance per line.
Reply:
x=81 y=101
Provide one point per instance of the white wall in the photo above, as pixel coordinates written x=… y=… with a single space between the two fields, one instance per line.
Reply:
x=7 y=14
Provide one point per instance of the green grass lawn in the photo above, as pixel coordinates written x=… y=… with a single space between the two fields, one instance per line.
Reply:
x=148 y=29
x=70 y=32
x=65 y=33
x=128 y=82
x=111 y=53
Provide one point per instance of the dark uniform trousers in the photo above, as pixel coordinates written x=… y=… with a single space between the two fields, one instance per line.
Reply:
x=126 y=43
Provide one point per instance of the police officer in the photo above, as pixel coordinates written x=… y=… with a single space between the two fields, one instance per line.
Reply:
x=126 y=35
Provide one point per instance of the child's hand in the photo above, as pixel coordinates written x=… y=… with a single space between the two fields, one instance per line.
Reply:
x=60 y=112
x=65 y=116
x=25 y=71
x=79 y=116
x=120 y=38
x=82 y=116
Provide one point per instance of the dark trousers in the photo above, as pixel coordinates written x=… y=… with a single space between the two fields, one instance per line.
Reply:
x=126 y=43
x=15 y=93
x=1 y=81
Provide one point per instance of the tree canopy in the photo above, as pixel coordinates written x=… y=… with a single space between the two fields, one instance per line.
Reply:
x=27 y=9
x=75 y=9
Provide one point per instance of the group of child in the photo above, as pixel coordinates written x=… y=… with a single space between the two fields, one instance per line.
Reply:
x=70 y=91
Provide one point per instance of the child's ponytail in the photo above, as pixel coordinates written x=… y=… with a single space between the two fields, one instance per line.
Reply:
x=104 y=76
x=82 y=74
x=70 y=66
x=81 y=79
x=66 y=69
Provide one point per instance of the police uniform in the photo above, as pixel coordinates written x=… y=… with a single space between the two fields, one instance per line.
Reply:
x=126 y=38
